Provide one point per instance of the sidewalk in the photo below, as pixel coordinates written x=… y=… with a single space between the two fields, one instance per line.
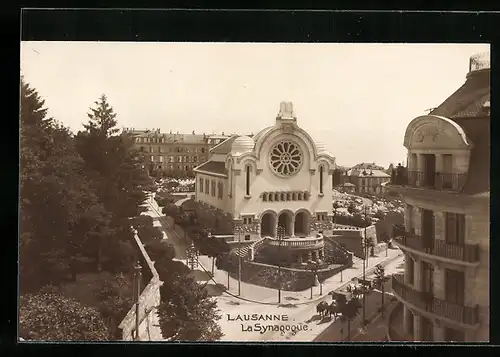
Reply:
x=264 y=295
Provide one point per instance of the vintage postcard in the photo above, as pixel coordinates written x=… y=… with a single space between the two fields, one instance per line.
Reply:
x=254 y=192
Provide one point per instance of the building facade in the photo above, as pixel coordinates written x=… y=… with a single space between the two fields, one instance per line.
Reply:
x=445 y=286
x=173 y=154
x=279 y=177
x=367 y=178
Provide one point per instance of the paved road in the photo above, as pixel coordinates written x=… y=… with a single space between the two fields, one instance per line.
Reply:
x=337 y=331
x=231 y=305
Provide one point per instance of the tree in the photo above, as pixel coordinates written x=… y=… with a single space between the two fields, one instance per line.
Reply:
x=118 y=175
x=186 y=312
x=350 y=310
x=50 y=316
x=52 y=176
x=380 y=280
x=115 y=300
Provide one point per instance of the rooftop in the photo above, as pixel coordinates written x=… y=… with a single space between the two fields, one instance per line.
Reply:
x=469 y=107
x=215 y=167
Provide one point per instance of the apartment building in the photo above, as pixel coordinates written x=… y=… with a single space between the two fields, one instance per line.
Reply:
x=367 y=178
x=444 y=292
x=173 y=154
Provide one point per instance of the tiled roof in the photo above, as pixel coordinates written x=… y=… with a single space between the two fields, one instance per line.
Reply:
x=216 y=167
x=365 y=165
x=469 y=107
x=224 y=147
x=468 y=100
x=367 y=173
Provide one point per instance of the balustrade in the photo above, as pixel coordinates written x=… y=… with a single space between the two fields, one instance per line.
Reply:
x=431 y=180
x=463 y=314
x=463 y=252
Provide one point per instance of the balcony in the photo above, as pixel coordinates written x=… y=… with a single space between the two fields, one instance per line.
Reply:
x=468 y=253
x=298 y=243
x=428 y=180
x=467 y=315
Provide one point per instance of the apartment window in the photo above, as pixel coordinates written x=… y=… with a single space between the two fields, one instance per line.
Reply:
x=410 y=272
x=247 y=180
x=409 y=224
x=220 y=191
x=178 y=149
x=141 y=149
x=321 y=216
x=321 y=169
x=455 y=286
x=151 y=149
x=201 y=185
x=159 y=149
x=452 y=335
x=152 y=158
x=247 y=236
x=207 y=189
x=161 y=158
x=427 y=278
x=455 y=228
x=427 y=329
x=213 y=188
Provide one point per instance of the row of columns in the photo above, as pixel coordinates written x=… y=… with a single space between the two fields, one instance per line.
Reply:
x=459 y=162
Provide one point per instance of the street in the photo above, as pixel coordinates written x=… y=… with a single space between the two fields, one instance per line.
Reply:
x=298 y=307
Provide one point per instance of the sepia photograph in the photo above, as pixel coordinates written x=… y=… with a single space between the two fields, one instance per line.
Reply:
x=254 y=192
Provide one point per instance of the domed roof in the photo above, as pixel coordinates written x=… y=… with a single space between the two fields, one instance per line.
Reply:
x=242 y=144
x=262 y=133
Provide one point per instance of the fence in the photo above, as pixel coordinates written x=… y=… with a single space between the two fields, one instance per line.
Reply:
x=149 y=300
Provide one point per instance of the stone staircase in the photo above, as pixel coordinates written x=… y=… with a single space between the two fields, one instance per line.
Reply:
x=244 y=252
x=340 y=249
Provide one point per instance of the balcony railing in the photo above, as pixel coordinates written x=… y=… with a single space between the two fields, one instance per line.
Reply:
x=429 y=180
x=467 y=252
x=468 y=315
x=300 y=243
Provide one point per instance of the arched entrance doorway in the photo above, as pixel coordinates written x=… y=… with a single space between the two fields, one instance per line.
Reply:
x=267 y=224
x=285 y=220
x=301 y=224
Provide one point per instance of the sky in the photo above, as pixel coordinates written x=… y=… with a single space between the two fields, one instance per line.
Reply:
x=357 y=99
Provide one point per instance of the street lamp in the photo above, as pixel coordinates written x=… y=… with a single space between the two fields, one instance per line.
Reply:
x=239 y=261
x=314 y=270
x=281 y=234
x=137 y=278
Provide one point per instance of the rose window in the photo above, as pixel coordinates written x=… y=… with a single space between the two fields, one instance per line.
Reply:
x=286 y=158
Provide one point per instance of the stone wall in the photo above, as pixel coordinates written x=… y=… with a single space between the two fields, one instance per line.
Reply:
x=352 y=239
x=149 y=300
x=267 y=275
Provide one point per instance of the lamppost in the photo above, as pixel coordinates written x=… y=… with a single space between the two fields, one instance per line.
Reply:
x=281 y=234
x=314 y=270
x=137 y=278
x=239 y=262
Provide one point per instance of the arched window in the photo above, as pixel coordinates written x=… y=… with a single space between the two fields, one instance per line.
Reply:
x=264 y=197
x=247 y=180
x=283 y=197
x=321 y=172
x=276 y=197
